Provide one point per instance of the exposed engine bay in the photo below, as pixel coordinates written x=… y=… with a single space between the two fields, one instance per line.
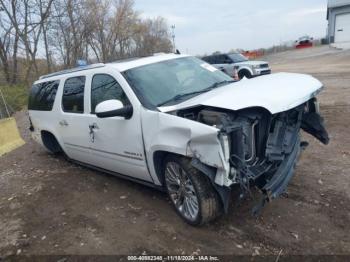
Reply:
x=262 y=148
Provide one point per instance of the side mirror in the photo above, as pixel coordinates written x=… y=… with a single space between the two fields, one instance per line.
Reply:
x=112 y=108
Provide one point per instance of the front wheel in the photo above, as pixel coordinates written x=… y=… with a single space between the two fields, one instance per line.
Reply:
x=190 y=191
x=244 y=73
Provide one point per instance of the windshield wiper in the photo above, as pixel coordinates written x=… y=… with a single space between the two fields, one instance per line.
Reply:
x=217 y=84
x=179 y=96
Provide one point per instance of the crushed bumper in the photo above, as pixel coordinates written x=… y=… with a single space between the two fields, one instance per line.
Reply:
x=279 y=181
x=283 y=146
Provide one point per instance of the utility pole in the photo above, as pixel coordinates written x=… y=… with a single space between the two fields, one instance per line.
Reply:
x=173 y=36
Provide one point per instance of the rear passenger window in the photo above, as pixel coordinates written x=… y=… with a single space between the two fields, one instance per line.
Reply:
x=214 y=59
x=220 y=59
x=42 y=96
x=105 y=87
x=73 y=95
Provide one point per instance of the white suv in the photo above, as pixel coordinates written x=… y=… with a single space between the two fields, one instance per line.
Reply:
x=235 y=62
x=176 y=123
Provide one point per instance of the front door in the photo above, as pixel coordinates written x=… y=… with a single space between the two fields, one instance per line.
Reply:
x=116 y=143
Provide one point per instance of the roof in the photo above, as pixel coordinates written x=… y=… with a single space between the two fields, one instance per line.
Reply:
x=338 y=3
x=72 y=70
x=121 y=65
x=125 y=65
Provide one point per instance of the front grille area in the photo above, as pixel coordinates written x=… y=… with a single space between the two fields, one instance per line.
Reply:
x=265 y=72
x=263 y=142
x=264 y=66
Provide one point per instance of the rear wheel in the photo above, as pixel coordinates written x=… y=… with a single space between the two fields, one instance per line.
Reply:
x=190 y=191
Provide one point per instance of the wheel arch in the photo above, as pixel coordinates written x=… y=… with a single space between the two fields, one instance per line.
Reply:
x=209 y=171
x=50 y=142
x=245 y=69
x=158 y=162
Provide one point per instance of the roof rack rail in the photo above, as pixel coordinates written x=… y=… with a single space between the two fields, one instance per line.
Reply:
x=76 y=69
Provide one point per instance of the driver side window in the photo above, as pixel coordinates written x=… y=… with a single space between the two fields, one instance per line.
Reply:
x=105 y=87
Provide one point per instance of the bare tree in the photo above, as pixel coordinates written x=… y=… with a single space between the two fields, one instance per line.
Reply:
x=45 y=26
x=39 y=35
x=8 y=49
x=153 y=37
x=125 y=20
x=100 y=28
x=5 y=41
x=123 y=33
x=110 y=37
x=28 y=18
x=68 y=31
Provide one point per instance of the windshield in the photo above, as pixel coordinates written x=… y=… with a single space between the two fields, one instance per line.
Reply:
x=173 y=81
x=237 y=58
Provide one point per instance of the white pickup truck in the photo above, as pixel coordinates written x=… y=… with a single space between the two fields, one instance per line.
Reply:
x=237 y=63
x=176 y=123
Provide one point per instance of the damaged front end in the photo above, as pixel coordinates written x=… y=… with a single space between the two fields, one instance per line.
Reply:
x=261 y=149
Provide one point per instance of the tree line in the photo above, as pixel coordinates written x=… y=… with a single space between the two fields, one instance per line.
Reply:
x=41 y=36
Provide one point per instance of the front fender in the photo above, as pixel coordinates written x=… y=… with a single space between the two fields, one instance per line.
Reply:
x=173 y=134
x=246 y=68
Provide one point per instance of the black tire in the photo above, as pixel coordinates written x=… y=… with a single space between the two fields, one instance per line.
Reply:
x=244 y=73
x=209 y=204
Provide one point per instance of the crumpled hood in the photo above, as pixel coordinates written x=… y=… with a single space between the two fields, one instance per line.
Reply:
x=276 y=93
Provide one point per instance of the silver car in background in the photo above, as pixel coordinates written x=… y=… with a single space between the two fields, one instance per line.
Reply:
x=236 y=63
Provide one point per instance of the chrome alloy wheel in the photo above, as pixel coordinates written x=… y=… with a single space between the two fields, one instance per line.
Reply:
x=181 y=190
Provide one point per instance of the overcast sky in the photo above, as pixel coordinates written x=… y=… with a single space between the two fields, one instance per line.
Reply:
x=205 y=26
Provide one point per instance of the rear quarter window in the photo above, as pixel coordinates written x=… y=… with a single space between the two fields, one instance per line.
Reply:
x=42 y=96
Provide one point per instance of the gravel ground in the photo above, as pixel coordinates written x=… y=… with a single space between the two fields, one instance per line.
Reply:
x=51 y=206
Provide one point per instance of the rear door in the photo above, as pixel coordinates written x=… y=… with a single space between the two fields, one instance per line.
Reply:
x=116 y=143
x=74 y=119
x=225 y=64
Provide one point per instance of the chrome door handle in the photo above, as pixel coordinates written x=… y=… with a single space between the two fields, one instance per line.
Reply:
x=63 y=123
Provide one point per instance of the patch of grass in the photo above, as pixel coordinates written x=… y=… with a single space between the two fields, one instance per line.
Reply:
x=16 y=97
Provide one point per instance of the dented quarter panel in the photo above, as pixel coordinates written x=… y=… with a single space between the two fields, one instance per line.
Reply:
x=173 y=134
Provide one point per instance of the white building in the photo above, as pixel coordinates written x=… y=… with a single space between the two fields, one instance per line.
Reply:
x=338 y=16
